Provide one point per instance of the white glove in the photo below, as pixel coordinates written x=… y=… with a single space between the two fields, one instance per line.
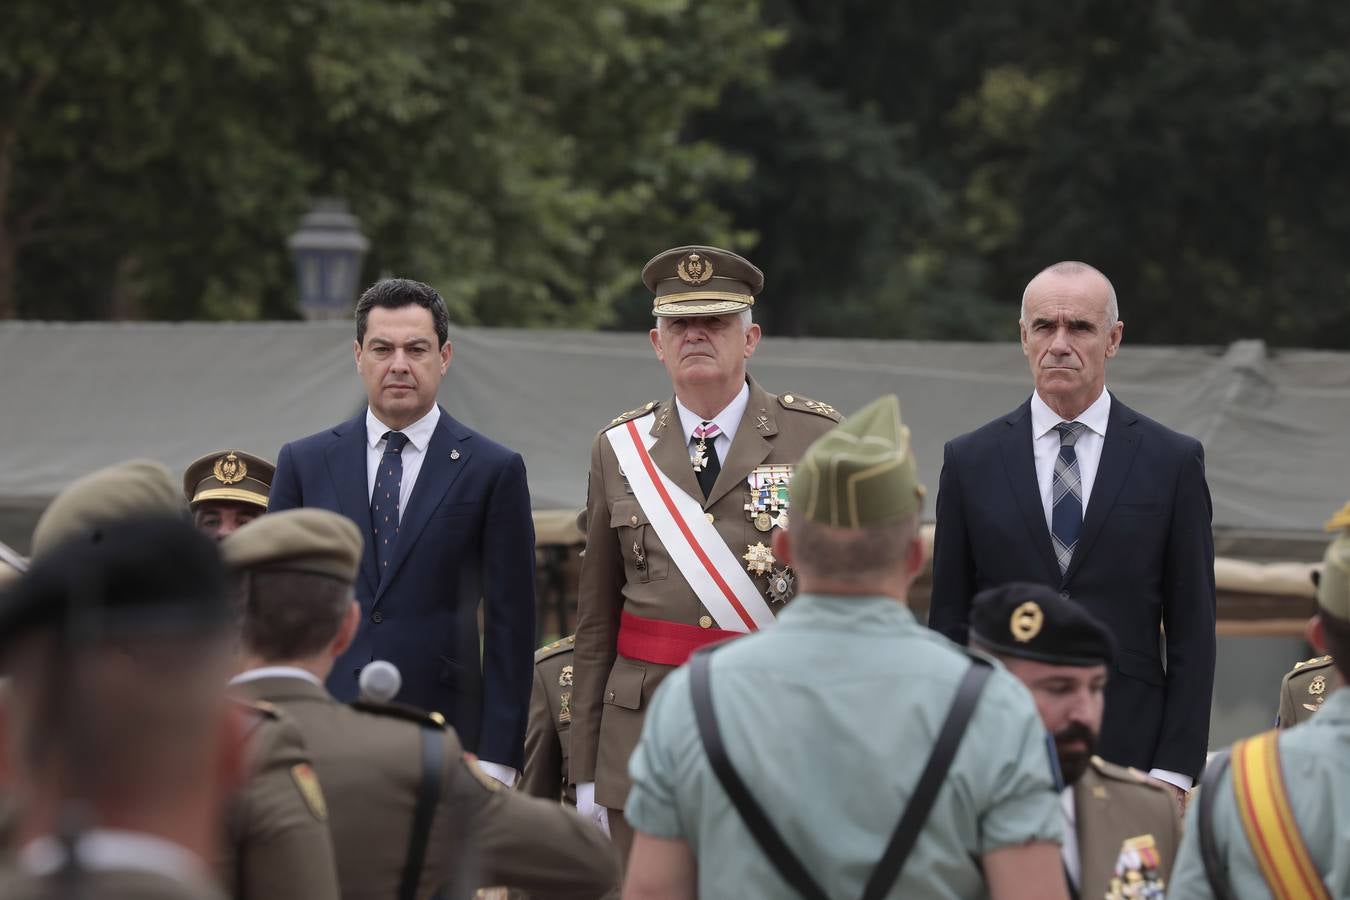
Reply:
x=589 y=809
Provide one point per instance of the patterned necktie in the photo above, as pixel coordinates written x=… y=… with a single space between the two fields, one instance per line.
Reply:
x=1066 y=516
x=384 y=499
x=704 y=459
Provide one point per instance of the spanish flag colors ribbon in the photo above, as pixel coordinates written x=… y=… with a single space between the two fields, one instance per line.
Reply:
x=1263 y=805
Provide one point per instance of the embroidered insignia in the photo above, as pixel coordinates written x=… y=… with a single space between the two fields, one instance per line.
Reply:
x=1026 y=622
x=230 y=469
x=565 y=705
x=565 y=677
x=308 y=785
x=695 y=268
x=1318 y=686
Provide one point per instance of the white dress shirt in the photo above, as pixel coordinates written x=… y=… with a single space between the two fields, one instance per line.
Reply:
x=276 y=672
x=115 y=850
x=728 y=420
x=1069 y=849
x=419 y=435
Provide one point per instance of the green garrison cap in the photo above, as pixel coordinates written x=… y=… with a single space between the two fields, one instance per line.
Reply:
x=297 y=540
x=860 y=474
x=701 y=281
x=1333 y=589
x=135 y=487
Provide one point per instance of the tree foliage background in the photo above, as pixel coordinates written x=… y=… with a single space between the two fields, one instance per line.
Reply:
x=897 y=168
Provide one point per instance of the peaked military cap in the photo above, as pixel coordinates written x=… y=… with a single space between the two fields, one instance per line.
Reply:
x=1333 y=587
x=135 y=487
x=229 y=475
x=1033 y=621
x=701 y=281
x=297 y=540
x=861 y=473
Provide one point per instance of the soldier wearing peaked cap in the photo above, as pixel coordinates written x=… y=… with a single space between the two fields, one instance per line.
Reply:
x=1269 y=821
x=808 y=718
x=227 y=489
x=411 y=813
x=1121 y=831
x=683 y=497
x=275 y=844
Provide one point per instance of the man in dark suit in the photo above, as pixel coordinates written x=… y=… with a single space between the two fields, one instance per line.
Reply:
x=446 y=516
x=1075 y=490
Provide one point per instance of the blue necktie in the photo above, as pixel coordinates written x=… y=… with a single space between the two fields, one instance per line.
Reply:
x=384 y=499
x=1066 y=515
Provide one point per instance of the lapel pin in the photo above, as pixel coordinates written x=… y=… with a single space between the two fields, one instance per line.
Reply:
x=454 y=454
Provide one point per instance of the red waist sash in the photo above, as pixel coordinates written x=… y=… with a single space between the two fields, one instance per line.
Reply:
x=664 y=643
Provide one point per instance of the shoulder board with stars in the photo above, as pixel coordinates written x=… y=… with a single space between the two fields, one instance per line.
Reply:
x=1318 y=661
x=806 y=404
x=402 y=711
x=563 y=646
x=1127 y=774
x=631 y=414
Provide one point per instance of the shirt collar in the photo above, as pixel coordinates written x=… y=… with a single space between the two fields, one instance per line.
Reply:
x=108 y=849
x=728 y=420
x=1043 y=418
x=419 y=433
x=853 y=610
x=276 y=672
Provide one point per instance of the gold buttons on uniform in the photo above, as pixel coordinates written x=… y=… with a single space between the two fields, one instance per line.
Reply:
x=788 y=398
x=632 y=520
x=705 y=621
x=710 y=517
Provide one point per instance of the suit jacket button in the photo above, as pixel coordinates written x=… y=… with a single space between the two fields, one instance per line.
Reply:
x=377 y=617
x=705 y=621
x=632 y=520
x=357 y=671
x=1064 y=595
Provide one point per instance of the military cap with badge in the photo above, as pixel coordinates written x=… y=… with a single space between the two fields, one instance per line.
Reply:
x=228 y=475
x=1032 y=621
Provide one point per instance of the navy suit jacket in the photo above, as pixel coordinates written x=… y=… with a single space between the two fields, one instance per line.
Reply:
x=1145 y=558
x=466 y=536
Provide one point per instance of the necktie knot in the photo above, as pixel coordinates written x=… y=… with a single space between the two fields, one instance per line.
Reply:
x=395 y=441
x=706 y=430
x=1070 y=432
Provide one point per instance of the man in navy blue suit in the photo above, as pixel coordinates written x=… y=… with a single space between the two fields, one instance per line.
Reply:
x=446 y=515
x=1075 y=490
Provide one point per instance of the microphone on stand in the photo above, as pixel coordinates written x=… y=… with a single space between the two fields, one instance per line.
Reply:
x=380 y=681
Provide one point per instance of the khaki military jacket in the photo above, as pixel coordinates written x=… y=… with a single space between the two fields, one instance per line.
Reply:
x=106 y=885
x=369 y=761
x=550 y=726
x=1304 y=689
x=277 y=842
x=1128 y=831
x=626 y=568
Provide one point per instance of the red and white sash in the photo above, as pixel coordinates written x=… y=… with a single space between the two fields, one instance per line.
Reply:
x=719 y=580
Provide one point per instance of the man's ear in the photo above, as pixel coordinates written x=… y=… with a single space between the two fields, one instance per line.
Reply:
x=655 y=335
x=782 y=546
x=346 y=632
x=1316 y=634
x=356 y=353
x=447 y=351
x=915 y=556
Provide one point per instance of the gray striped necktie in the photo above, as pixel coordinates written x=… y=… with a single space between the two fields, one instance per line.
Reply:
x=1066 y=505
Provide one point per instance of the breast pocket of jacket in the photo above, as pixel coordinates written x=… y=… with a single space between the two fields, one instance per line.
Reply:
x=644 y=558
x=456 y=511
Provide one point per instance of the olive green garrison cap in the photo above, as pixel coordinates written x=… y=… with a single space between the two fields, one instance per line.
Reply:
x=297 y=540
x=137 y=487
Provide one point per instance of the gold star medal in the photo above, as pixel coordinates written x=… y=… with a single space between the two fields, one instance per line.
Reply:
x=758 y=559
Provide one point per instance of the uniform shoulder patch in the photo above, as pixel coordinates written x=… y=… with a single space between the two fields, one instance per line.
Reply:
x=806 y=404
x=308 y=785
x=563 y=646
x=1318 y=661
x=631 y=414
x=402 y=711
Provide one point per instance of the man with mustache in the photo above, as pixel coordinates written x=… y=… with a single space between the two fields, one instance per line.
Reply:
x=1121 y=830
x=683 y=498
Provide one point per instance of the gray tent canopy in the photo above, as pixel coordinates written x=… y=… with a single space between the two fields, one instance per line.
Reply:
x=76 y=396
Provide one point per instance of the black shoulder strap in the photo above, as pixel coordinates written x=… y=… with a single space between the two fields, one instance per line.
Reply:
x=911 y=823
x=428 y=792
x=1204 y=823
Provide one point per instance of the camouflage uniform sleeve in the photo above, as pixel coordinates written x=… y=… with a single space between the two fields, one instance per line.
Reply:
x=543 y=773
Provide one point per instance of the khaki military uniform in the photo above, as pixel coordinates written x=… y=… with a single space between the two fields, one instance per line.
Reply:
x=1128 y=831
x=106 y=885
x=277 y=843
x=1304 y=689
x=369 y=760
x=550 y=726
x=627 y=569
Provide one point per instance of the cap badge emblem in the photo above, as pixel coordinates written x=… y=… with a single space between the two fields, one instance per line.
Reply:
x=695 y=268
x=230 y=469
x=1026 y=622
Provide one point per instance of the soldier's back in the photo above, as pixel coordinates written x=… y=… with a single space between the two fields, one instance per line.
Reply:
x=1304 y=689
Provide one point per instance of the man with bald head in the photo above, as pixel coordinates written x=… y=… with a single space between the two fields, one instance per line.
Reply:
x=1075 y=490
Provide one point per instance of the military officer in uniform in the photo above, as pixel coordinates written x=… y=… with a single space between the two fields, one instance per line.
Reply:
x=683 y=497
x=276 y=841
x=1270 y=818
x=550 y=725
x=829 y=718
x=410 y=812
x=226 y=490
x=1121 y=830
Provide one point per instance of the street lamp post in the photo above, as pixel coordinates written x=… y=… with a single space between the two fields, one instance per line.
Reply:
x=328 y=249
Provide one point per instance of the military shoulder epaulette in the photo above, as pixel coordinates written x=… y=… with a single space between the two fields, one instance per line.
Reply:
x=1127 y=774
x=806 y=404
x=262 y=707
x=563 y=646
x=401 y=711
x=631 y=414
x=1318 y=661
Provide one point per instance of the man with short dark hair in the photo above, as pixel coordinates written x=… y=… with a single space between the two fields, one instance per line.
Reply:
x=445 y=514
x=1121 y=831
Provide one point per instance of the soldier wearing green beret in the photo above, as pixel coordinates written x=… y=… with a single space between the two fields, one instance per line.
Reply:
x=683 y=499
x=411 y=813
x=276 y=840
x=1121 y=830
x=828 y=719
x=1269 y=821
x=226 y=490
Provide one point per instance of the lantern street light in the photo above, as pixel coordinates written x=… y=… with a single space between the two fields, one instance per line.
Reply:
x=328 y=249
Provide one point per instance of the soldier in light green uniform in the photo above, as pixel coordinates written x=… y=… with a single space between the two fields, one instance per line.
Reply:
x=1312 y=760
x=549 y=728
x=829 y=716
